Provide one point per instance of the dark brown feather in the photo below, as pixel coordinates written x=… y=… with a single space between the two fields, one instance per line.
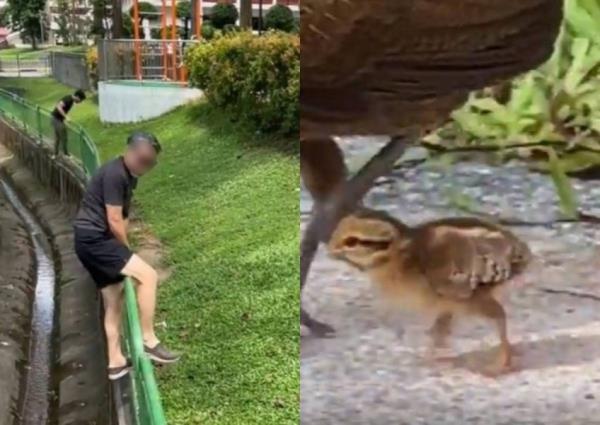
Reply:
x=376 y=67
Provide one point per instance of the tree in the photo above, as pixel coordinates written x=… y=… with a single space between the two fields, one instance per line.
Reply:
x=145 y=11
x=81 y=24
x=62 y=21
x=26 y=16
x=184 y=12
x=117 y=18
x=4 y=17
x=246 y=14
x=99 y=14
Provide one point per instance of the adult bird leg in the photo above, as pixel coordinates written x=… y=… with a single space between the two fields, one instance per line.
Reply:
x=342 y=199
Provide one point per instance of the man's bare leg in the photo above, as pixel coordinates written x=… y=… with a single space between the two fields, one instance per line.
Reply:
x=112 y=296
x=147 y=280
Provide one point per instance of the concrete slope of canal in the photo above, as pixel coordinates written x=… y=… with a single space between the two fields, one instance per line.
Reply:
x=17 y=275
x=35 y=406
x=52 y=363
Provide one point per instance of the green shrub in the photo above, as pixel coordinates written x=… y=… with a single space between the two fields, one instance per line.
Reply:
x=208 y=31
x=280 y=17
x=145 y=10
x=223 y=14
x=156 y=33
x=127 y=26
x=257 y=78
x=231 y=28
x=91 y=59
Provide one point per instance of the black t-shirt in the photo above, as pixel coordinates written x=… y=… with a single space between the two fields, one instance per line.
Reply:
x=67 y=102
x=112 y=184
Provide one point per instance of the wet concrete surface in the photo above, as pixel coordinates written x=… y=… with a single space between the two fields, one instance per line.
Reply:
x=371 y=373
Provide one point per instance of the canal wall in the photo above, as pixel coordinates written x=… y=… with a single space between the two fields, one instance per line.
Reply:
x=52 y=190
x=17 y=276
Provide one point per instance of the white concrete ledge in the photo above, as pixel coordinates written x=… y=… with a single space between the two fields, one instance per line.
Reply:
x=132 y=101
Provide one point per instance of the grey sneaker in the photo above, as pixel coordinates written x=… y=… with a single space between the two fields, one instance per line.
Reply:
x=115 y=373
x=160 y=354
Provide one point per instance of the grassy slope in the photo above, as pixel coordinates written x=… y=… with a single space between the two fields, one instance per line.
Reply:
x=228 y=214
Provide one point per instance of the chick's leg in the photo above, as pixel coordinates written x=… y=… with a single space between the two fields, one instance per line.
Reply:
x=440 y=331
x=492 y=309
x=323 y=172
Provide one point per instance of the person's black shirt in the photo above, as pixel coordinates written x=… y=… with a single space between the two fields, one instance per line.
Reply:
x=112 y=184
x=67 y=102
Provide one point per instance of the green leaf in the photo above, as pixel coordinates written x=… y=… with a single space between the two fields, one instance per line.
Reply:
x=566 y=194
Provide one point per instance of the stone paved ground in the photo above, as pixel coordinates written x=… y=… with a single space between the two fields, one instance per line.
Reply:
x=372 y=374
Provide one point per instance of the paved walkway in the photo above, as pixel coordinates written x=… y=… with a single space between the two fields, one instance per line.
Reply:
x=368 y=374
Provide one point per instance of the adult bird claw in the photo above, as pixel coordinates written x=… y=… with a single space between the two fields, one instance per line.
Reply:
x=321 y=330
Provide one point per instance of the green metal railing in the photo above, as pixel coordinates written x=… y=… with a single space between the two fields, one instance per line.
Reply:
x=36 y=122
x=146 y=397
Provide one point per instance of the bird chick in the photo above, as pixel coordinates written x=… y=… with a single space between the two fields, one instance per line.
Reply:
x=447 y=267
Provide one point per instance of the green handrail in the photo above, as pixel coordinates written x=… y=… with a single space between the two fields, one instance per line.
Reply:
x=36 y=122
x=146 y=395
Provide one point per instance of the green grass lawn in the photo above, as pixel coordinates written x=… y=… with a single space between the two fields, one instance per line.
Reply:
x=29 y=53
x=224 y=201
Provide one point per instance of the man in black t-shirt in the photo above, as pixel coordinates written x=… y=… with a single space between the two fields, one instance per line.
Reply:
x=59 y=116
x=102 y=246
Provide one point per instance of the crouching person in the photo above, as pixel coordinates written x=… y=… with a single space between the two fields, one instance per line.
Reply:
x=102 y=246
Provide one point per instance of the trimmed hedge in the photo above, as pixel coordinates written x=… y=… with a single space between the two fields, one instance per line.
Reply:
x=257 y=78
x=222 y=14
x=280 y=17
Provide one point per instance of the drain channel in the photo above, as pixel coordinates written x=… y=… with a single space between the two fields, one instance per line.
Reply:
x=35 y=406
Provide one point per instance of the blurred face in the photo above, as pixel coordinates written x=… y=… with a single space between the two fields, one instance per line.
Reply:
x=141 y=158
x=76 y=99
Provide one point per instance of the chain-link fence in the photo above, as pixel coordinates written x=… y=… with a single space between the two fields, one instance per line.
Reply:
x=19 y=66
x=142 y=59
x=70 y=69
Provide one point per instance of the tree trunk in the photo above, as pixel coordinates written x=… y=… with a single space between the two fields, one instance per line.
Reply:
x=34 y=45
x=246 y=14
x=117 y=18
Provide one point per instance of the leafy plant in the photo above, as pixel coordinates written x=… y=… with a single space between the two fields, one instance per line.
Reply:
x=208 y=31
x=557 y=105
x=91 y=58
x=280 y=17
x=258 y=78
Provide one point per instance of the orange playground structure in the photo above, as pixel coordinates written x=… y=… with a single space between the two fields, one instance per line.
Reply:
x=170 y=45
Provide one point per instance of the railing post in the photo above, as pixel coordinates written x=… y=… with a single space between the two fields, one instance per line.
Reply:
x=39 y=124
x=104 y=60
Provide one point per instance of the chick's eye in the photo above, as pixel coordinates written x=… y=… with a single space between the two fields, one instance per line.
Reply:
x=351 y=242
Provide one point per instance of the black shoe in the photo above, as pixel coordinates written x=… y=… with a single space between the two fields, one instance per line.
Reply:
x=160 y=354
x=115 y=373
